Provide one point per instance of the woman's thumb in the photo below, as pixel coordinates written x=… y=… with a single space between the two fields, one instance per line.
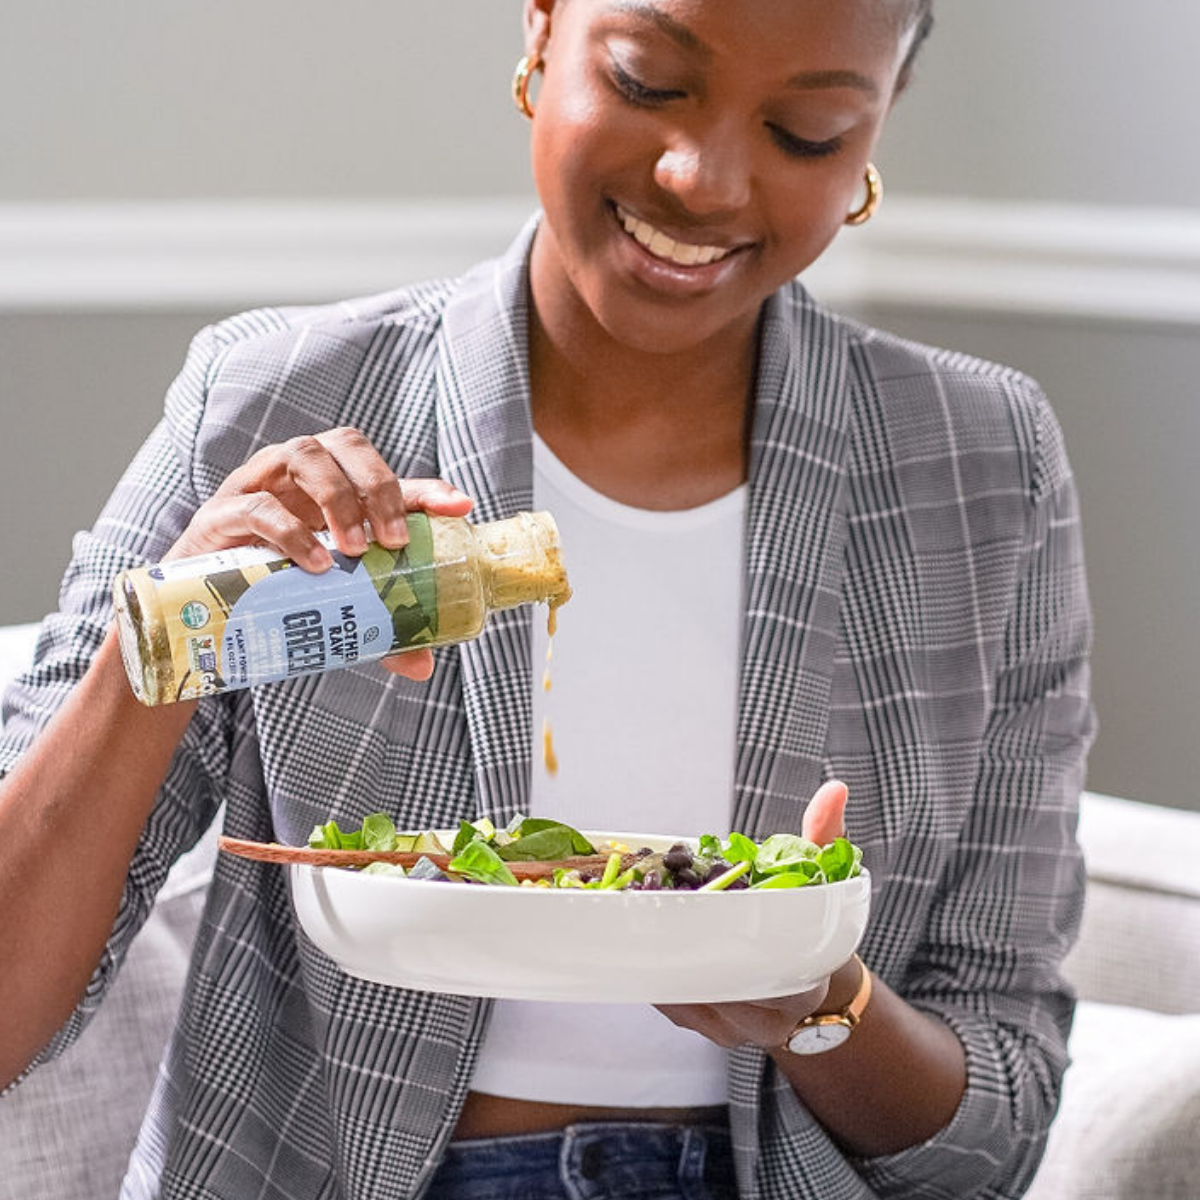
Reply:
x=825 y=816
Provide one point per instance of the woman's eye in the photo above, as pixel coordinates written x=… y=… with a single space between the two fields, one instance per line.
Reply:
x=637 y=92
x=799 y=147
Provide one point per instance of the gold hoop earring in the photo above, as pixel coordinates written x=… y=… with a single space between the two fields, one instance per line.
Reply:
x=862 y=214
x=520 y=82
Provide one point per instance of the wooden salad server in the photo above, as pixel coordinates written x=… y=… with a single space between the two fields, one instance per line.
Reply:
x=275 y=852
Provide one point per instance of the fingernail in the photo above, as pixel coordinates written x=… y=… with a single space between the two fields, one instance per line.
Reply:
x=397 y=533
x=356 y=539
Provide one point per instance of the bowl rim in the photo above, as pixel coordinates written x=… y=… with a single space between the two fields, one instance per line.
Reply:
x=665 y=895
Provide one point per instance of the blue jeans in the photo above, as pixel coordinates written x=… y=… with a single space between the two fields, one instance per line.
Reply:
x=592 y=1161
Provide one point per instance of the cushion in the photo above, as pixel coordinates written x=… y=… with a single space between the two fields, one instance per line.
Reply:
x=1143 y=906
x=66 y=1132
x=1129 y=1122
x=1138 y=947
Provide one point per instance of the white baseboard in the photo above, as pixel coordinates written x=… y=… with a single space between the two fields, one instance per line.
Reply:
x=1067 y=261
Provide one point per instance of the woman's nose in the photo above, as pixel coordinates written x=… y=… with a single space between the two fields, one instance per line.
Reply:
x=709 y=175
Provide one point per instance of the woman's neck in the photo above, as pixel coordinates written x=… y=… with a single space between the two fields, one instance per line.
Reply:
x=653 y=431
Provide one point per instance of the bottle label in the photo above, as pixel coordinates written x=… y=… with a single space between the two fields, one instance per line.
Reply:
x=245 y=616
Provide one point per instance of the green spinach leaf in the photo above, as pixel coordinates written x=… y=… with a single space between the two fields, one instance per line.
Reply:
x=378 y=832
x=466 y=833
x=784 y=852
x=545 y=845
x=528 y=826
x=478 y=861
x=330 y=837
x=840 y=860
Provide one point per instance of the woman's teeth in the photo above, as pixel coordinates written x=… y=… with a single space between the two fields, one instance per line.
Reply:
x=683 y=254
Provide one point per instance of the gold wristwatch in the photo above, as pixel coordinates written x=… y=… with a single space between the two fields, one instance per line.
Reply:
x=819 y=1032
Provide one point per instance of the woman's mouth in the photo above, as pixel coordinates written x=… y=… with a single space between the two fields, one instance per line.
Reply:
x=666 y=248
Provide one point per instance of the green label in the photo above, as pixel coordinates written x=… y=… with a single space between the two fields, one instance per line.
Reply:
x=194 y=614
x=406 y=581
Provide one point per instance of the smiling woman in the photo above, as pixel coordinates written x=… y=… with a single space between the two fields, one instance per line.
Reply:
x=827 y=582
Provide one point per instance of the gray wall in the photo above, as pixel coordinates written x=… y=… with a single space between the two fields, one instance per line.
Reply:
x=78 y=394
x=1074 y=101
x=1091 y=101
x=231 y=98
x=1085 y=100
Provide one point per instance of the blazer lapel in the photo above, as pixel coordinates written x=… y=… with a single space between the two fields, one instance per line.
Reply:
x=796 y=539
x=795 y=546
x=485 y=448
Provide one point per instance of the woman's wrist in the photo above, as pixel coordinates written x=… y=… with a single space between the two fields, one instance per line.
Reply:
x=844 y=985
x=895 y=1082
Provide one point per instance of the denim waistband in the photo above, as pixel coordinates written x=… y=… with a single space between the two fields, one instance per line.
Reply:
x=598 y=1160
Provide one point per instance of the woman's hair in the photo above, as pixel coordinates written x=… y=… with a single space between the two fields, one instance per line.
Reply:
x=920 y=13
x=922 y=18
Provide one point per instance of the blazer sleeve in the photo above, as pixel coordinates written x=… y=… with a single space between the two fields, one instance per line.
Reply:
x=1011 y=897
x=147 y=511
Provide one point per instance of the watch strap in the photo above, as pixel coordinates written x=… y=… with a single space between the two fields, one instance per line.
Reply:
x=854 y=1010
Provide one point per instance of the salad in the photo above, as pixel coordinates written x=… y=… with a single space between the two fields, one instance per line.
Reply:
x=481 y=854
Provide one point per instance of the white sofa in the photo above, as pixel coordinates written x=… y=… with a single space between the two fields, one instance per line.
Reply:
x=1128 y=1127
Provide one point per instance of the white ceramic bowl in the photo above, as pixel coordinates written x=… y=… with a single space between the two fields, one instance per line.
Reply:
x=528 y=943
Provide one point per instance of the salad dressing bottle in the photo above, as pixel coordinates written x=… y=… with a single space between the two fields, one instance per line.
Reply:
x=235 y=618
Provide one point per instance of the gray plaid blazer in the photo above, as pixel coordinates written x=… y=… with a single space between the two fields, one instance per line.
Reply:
x=916 y=623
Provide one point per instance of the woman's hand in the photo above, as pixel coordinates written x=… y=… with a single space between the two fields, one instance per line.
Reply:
x=334 y=480
x=767 y=1023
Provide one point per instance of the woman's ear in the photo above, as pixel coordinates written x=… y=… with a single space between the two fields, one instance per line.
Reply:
x=537 y=25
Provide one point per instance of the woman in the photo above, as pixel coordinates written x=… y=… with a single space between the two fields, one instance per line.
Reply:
x=871 y=546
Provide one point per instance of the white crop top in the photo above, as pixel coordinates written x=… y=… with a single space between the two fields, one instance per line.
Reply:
x=643 y=709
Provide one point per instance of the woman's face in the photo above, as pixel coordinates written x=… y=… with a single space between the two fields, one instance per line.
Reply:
x=693 y=155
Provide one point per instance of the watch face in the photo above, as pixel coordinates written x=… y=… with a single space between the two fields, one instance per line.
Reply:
x=816 y=1039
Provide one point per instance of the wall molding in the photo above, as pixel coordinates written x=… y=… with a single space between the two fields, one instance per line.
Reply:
x=1076 y=262
x=230 y=254
x=1135 y=265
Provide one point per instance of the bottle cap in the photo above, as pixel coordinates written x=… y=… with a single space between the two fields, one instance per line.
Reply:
x=525 y=560
x=142 y=636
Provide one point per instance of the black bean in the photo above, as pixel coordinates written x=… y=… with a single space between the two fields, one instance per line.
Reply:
x=678 y=858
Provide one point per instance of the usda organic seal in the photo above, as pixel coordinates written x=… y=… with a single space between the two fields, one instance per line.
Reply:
x=194 y=614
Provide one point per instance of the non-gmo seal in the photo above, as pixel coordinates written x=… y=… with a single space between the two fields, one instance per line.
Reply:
x=194 y=614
